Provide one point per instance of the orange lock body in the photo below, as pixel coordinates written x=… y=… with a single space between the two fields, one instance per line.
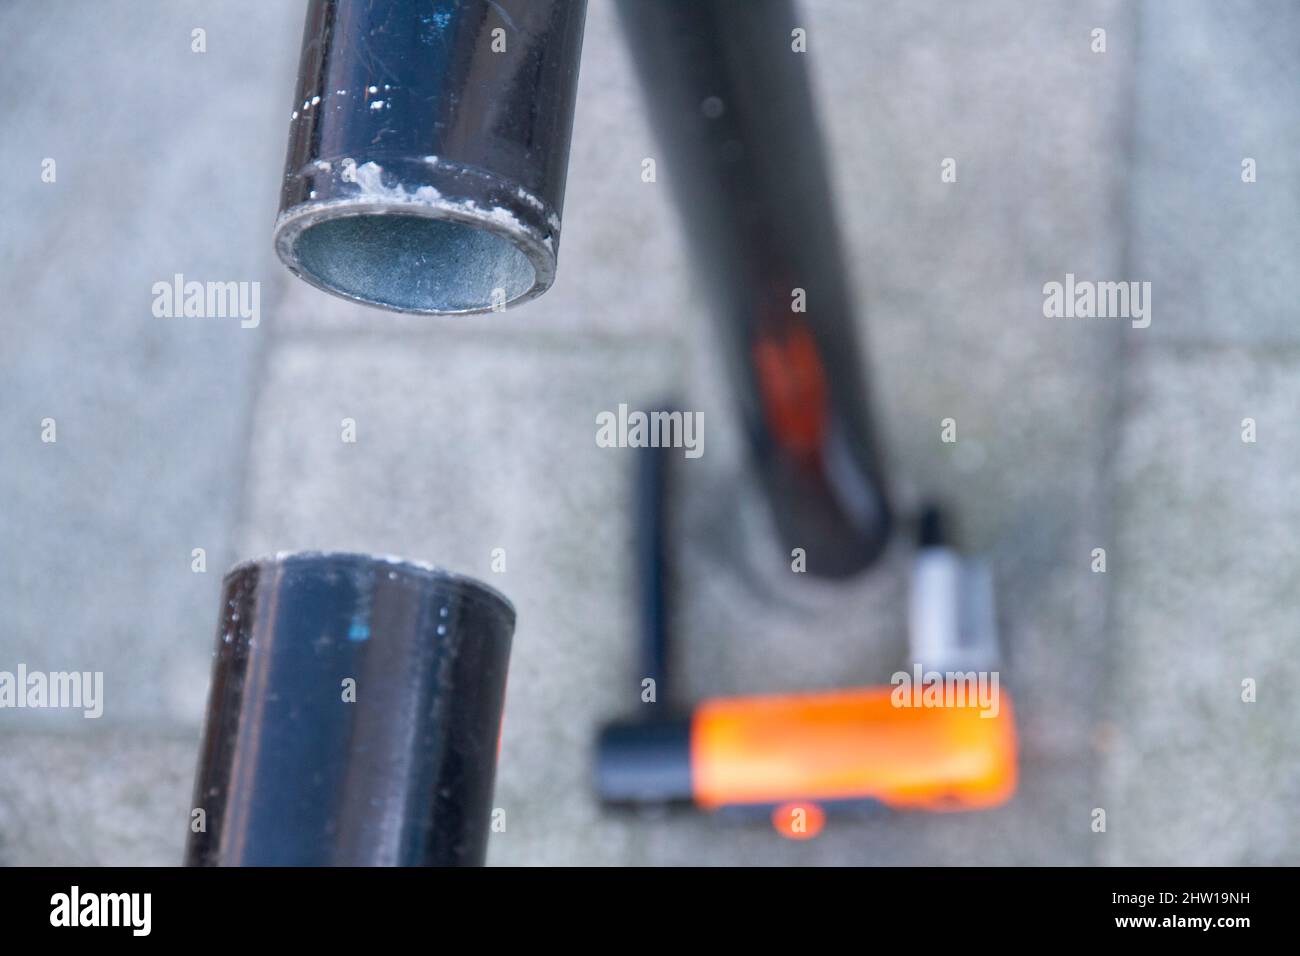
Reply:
x=851 y=745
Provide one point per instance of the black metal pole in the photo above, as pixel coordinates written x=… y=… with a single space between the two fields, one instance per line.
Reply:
x=651 y=531
x=730 y=100
x=428 y=147
x=354 y=715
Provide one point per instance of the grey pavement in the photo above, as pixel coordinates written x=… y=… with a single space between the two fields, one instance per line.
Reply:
x=478 y=434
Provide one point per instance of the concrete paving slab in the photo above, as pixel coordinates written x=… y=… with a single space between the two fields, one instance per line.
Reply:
x=1216 y=87
x=114 y=796
x=1205 y=571
x=165 y=163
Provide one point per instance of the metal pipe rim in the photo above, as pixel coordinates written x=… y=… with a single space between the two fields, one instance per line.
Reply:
x=521 y=231
x=421 y=571
x=291 y=226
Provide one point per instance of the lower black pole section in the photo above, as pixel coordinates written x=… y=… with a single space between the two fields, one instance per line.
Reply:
x=354 y=716
x=729 y=96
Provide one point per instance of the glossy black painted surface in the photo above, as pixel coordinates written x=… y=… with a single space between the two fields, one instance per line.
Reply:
x=651 y=529
x=441 y=129
x=293 y=772
x=644 y=762
x=730 y=101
